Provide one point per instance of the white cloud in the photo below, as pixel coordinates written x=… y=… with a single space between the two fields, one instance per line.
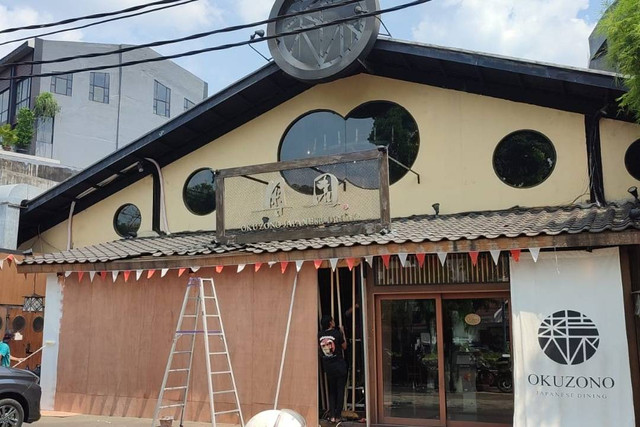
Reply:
x=543 y=30
x=253 y=10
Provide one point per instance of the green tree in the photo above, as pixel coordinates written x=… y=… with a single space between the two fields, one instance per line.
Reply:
x=621 y=26
x=24 y=127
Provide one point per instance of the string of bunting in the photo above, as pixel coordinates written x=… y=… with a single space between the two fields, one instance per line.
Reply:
x=333 y=263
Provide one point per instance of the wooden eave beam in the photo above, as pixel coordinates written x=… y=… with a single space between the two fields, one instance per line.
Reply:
x=561 y=241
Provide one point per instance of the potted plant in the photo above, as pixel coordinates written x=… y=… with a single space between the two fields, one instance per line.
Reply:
x=24 y=129
x=8 y=136
x=46 y=106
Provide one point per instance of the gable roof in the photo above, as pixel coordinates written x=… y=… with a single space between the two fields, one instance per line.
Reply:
x=515 y=222
x=577 y=90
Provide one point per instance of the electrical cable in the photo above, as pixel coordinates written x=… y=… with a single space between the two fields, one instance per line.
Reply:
x=82 y=18
x=92 y=24
x=223 y=46
x=182 y=39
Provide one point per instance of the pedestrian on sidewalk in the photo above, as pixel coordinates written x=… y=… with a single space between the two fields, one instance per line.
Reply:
x=5 y=351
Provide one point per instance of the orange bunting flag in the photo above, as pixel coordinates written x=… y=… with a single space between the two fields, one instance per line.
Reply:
x=350 y=263
x=80 y=274
x=126 y=275
x=283 y=266
x=257 y=266
x=9 y=259
x=474 y=257
x=181 y=271
x=103 y=275
x=317 y=263
x=150 y=274
x=515 y=253
x=385 y=260
x=219 y=268
x=420 y=258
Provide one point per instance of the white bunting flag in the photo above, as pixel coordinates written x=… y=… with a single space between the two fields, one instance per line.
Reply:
x=163 y=272
x=92 y=274
x=194 y=269
x=271 y=263
x=403 y=258
x=1 y=263
x=495 y=254
x=369 y=260
x=442 y=256
x=241 y=267
x=138 y=274
x=334 y=263
x=534 y=253
x=299 y=265
x=66 y=273
x=114 y=275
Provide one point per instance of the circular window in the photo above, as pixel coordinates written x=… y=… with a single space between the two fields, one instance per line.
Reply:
x=127 y=220
x=323 y=133
x=199 y=192
x=632 y=160
x=524 y=159
x=38 y=324
x=18 y=323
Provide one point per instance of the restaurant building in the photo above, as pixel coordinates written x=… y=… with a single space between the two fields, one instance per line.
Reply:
x=465 y=216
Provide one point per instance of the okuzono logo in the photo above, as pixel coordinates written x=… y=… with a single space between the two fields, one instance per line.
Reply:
x=568 y=337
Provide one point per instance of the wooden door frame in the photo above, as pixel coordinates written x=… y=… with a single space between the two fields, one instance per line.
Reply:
x=436 y=293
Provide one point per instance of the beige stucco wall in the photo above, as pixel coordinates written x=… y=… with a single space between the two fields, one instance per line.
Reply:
x=615 y=139
x=458 y=134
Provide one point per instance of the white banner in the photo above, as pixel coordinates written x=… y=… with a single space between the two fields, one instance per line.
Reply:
x=571 y=359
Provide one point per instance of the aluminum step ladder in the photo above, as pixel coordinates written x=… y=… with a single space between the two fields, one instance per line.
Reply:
x=179 y=366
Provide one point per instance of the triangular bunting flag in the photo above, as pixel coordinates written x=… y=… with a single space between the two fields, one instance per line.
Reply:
x=219 y=268
x=126 y=274
x=534 y=253
x=163 y=272
x=350 y=263
x=317 y=263
x=150 y=274
x=495 y=254
x=442 y=256
x=194 y=269
x=515 y=253
x=385 y=260
x=474 y=257
x=66 y=273
x=257 y=266
x=92 y=274
x=334 y=263
x=103 y=275
x=241 y=267
x=271 y=263
x=283 y=266
x=2 y=263
x=402 y=256
x=420 y=258
x=138 y=274
x=80 y=274
x=369 y=260
x=9 y=259
x=114 y=275
x=181 y=271
x=299 y=265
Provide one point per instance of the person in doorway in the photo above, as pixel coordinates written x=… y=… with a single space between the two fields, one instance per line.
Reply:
x=332 y=345
x=5 y=351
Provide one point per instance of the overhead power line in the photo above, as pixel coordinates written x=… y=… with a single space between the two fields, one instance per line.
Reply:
x=223 y=46
x=182 y=39
x=92 y=24
x=82 y=18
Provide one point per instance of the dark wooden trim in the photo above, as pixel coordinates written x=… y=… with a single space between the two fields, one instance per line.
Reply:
x=466 y=289
x=385 y=208
x=220 y=232
x=631 y=322
x=157 y=199
x=594 y=157
x=442 y=384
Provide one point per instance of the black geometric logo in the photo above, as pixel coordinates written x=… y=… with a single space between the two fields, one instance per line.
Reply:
x=568 y=337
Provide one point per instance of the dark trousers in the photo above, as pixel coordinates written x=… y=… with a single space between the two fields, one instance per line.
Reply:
x=336 y=394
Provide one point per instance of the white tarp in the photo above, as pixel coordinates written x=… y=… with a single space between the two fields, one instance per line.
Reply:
x=571 y=360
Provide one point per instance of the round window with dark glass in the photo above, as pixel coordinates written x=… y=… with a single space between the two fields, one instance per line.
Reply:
x=524 y=159
x=127 y=220
x=199 y=192
x=38 y=324
x=324 y=133
x=632 y=160
x=18 y=324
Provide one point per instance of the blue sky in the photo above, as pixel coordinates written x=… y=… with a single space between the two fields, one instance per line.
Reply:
x=544 y=30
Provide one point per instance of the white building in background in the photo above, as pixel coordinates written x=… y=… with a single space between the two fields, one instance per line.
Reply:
x=101 y=111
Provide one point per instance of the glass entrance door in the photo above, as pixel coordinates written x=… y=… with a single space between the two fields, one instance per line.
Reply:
x=444 y=360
